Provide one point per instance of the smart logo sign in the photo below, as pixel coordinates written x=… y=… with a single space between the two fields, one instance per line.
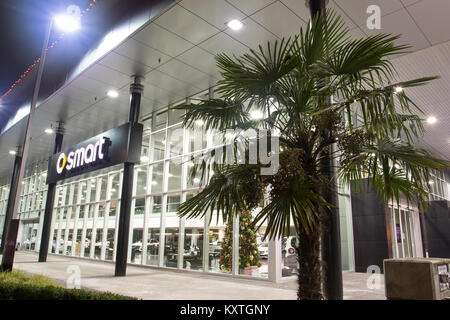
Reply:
x=115 y=146
x=84 y=156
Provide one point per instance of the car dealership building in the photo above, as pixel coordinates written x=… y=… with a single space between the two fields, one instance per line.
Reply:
x=168 y=51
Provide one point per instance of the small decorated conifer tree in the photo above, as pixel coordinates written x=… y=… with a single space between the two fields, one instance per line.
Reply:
x=248 y=245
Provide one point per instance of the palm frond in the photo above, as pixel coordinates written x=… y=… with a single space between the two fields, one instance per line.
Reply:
x=232 y=189
x=253 y=74
x=218 y=114
x=298 y=204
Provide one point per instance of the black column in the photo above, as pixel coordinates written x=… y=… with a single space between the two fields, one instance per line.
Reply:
x=11 y=197
x=48 y=214
x=331 y=238
x=136 y=90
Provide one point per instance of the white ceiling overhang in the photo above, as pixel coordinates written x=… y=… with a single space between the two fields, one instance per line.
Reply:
x=175 y=52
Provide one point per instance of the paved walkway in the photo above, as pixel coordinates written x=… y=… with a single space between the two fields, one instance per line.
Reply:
x=148 y=283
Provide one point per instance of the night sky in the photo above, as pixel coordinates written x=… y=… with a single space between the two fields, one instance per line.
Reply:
x=22 y=30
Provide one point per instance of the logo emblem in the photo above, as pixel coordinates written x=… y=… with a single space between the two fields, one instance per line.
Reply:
x=60 y=166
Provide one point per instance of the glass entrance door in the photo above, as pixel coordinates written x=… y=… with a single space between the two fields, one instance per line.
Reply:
x=403 y=233
x=29 y=236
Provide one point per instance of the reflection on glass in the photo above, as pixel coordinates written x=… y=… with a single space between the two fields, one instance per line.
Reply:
x=159 y=121
x=220 y=248
x=98 y=243
x=91 y=210
x=114 y=192
x=112 y=208
x=67 y=199
x=60 y=195
x=174 y=176
x=136 y=246
x=157 y=177
x=193 y=248
x=175 y=137
x=73 y=211
x=109 y=245
x=87 y=243
x=175 y=116
x=139 y=206
x=153 y=247
x=83 y=187
x=197 y=139
x=69 y=242
x=104 y=183
x=157 y=146
x=173 y=201
x=171 y=247
x=101 y=210
x=93 y=183
x=78 y=243
x=141 y=183
x=192 y=182
x=81 y=213
x=54 y=240
x=61 y=242
x=156 y=204
x=29 y=235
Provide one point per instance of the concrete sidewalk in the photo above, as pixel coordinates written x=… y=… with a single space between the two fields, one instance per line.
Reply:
x=153 y=284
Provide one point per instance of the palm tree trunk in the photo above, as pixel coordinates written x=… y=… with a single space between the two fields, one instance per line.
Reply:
x=309 y=273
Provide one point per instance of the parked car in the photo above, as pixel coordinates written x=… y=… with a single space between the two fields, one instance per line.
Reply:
x=263 y=250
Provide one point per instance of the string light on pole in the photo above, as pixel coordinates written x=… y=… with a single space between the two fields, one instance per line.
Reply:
x=36 y=62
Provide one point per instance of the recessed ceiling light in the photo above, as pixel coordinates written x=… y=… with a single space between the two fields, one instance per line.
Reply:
x=48 y=131
x=12 y=152
x=235 y=24
x=398 y=89
x=431 y=120
x=112 y=94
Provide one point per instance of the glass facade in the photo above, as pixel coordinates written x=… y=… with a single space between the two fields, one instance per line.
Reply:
x=87 y=208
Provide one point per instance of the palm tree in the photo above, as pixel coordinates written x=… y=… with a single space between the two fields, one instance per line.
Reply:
x=291 y=83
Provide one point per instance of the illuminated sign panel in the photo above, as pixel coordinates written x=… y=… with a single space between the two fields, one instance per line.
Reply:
x=115 y=146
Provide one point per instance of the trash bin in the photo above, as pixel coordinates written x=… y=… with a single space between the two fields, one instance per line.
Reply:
x=417 y=278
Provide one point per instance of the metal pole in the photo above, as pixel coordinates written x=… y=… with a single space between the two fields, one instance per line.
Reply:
x=136 y=90
x=11 y=197
x=48 y=214
x=331 y=239
x=11 y=236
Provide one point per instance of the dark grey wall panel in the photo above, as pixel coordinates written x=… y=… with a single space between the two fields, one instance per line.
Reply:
x=437 y=221
x=369 y=229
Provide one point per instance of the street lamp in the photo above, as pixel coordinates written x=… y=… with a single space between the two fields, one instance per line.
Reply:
x=66 y=23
